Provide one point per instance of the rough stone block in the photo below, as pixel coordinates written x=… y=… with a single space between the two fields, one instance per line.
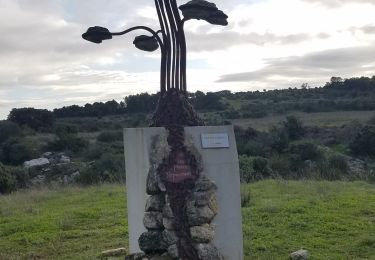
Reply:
x=153 y=220
x=152 y=242
x=202 y=234
x=208 y=252
x=155 y=203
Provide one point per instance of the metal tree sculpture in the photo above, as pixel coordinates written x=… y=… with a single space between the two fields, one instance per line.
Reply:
x=173 y=54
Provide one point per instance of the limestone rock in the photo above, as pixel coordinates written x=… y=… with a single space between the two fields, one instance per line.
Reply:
x=40 y=162
x=202 y=198
x=169 y=223
x=167 y=211
x=299 y=255
x=208 y=252
x=173 y=251
x=38 y=180
x=64 y=159
x=152 y=242
x=202 y=234
x=204 y=184
x=170 y=237
x=213 y=205
x=199 y=215
x=159 y=149
x=155 y=203
x=154 y=185
x=153 y=220
x=114 y=252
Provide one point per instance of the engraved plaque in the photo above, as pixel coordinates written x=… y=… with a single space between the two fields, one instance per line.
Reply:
x=219 y=140
x=180 y=170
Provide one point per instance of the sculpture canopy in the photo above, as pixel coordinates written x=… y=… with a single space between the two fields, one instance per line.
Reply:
x=172 y=45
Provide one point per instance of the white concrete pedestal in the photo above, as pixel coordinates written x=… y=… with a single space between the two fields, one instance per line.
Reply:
x=220 y=165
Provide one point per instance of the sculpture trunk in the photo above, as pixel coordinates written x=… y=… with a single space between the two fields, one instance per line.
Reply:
x=173 y=72
x=173 y=107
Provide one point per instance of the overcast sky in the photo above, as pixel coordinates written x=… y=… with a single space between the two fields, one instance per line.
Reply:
x=268 y=44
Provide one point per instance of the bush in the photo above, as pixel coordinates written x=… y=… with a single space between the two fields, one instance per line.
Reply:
x=15 y=152
x=109 y=168
x=8 y=129
x=247 y=173
x=293 y=127
x=110 y=136
x=339 y=163
x=7 y=181
x=31 y=117
x=279 y=139
x=261 y=167
x=231 y=114
x=364 y=142
x=280 y=165
x=306 y=151
x=245 y=197
x=67 y=140
x=326 y=172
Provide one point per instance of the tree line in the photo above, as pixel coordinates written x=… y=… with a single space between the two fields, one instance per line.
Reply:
x=337 y=95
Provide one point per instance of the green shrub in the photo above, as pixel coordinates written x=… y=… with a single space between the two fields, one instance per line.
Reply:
x=279 y=139
x=364 y=142
x=339 y=163
x=14 y=152
x=247 y=173
x=31 y=117
x=261 y=167
x=325 y=172
x=110 y=136
x=109 y=168
x=7 y=181
x=231 y=114
x=280 y=165
x=8 y=129
x=293 y=127
x=67 y=140
x=305 y=150
x=245 y=197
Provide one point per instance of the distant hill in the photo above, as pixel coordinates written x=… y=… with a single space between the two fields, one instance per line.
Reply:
x=337 y=95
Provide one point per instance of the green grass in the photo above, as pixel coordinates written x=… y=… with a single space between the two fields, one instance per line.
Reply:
x=333 y=220
x=323 y=119
x=67 y=223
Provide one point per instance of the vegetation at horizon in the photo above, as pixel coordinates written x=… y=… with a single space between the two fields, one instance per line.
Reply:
x=323 y=133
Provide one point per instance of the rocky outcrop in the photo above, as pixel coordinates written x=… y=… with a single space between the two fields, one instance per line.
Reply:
x=36 y=163
x=52 y=168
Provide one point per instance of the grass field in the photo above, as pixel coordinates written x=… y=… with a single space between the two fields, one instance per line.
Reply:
x=333 y=220
x=324 y=119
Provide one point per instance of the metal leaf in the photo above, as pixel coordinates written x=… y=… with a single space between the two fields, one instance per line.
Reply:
x=146 y=43
x=97 y=34
x=218 y=18
x=198 y=9
x=201 y=9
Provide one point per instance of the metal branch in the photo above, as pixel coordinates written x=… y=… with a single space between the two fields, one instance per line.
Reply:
x=154 y=34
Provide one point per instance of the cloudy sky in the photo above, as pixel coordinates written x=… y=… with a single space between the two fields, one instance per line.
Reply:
x=268 y=44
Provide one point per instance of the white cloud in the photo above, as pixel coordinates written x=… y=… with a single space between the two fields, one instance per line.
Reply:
x=45 y=63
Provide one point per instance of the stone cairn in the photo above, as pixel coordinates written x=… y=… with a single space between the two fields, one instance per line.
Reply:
x=181 y=203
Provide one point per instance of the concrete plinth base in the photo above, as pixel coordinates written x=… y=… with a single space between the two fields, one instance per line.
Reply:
x=220 y=165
